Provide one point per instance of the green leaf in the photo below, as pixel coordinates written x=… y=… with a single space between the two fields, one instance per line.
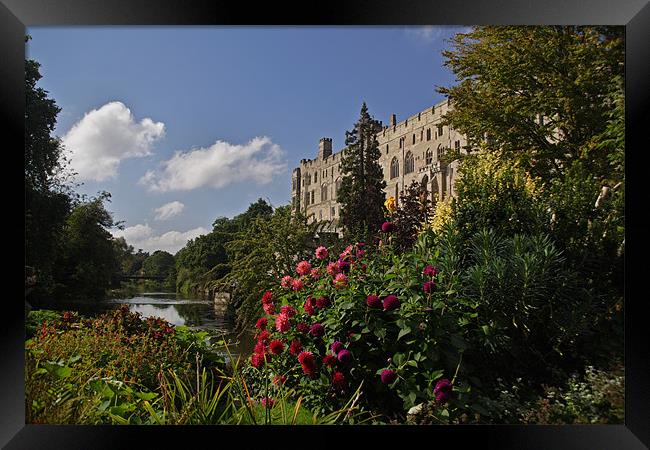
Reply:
x=403 y=332
x=63 y=372
x=146 y=395
x=411 y=363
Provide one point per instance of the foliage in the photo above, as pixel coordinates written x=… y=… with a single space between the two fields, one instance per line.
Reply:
x=412 y=214
x=422 y=340
x=161 y=264
x=509 y=76
x=595 y=397
x=260 y=254
x=362 y=184
x=205 y=258
x=88 y=261
x=493 y=192
x=48 y=199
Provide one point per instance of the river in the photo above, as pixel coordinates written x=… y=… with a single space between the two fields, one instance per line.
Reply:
x=178 y=310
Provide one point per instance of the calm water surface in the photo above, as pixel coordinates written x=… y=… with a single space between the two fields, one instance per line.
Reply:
x=175 y=309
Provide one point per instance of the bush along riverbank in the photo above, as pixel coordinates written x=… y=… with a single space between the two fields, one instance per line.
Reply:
x=121 y=369
x=419 y=337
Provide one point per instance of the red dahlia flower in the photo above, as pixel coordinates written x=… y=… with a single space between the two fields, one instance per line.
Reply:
x=302 y=327
x=322 y=302
x=295 y=347
x=329 y=360
x=267 y=297
x=317 y=330
x=308 y=362
x=339 y=382
x=429 y=286
x=261 y=323
x=276 y=346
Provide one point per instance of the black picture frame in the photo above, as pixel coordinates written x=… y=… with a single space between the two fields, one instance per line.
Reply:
x=16 y=15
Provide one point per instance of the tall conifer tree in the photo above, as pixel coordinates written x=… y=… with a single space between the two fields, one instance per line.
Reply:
x=362 y=186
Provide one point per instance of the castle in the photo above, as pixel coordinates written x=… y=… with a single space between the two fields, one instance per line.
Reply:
x=411 y=150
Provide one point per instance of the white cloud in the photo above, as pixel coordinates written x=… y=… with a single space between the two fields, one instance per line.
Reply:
x=104 y=137
x=169 y=210
x=430 y=33
x=217 y=166
x=142 y=236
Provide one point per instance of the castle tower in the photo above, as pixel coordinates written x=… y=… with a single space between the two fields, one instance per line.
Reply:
x=324 y=148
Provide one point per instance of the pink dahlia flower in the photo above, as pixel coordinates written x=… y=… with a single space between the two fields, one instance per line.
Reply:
x=263 y=336
x=267 y=297
x=303 y=268
x=430 y=271
x=442 y=391
x=344 y=356
x=269 y=308
x=285 y=282
x=387 y=227
x=333 y=268
x=257 y=360
x=282 y=323
x=315 y=273
x=321 y=253
x=297 y=284
x=288 y=310
x=373 y=301
x=268 y=402
x=391 y=302
x=388 y=376
x=340 y=281
x=309 y=306
x=337 y=347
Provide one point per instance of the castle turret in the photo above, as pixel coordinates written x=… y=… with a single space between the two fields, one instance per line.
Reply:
x=393 y=120
x=324 y=148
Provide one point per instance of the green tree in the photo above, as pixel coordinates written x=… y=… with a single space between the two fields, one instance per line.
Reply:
x=260 y=255
x=48 y=199
x=205 y=258
x=537 y=93
x=362 y=184
x=88 y=261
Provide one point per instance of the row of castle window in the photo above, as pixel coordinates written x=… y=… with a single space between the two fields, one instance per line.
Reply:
x=402 y=139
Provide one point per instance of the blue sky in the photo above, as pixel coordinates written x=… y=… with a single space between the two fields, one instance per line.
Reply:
x=186 y=124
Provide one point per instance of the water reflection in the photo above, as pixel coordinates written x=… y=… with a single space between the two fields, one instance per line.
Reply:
x=194 y=313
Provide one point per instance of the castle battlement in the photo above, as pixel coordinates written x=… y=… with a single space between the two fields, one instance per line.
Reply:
x=410 y=150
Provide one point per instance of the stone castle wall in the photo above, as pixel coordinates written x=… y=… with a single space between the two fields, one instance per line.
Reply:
x=412 y=148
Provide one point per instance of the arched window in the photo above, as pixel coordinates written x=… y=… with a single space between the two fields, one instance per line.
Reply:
x=429 y=156
x=428 y=134
x=394 y=168
x=323 y=192
x=413 y=138
x=409 y=163
x=337 y=187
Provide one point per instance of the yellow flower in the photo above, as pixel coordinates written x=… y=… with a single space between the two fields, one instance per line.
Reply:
x=390 y=205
